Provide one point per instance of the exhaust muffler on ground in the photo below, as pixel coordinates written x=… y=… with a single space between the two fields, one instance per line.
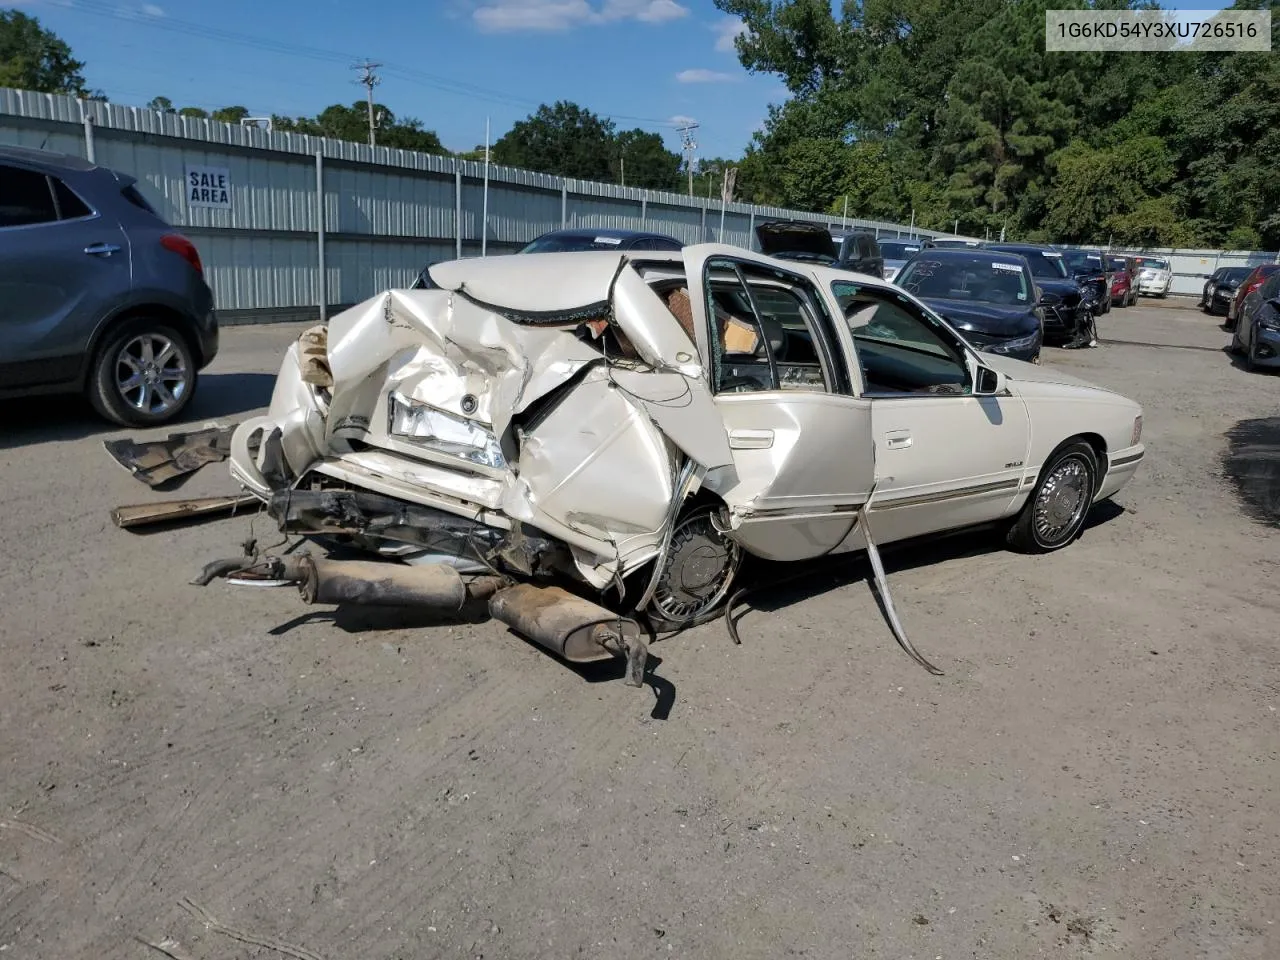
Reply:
x=571 y=627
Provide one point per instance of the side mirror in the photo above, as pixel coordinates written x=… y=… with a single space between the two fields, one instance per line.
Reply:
x=989 y=383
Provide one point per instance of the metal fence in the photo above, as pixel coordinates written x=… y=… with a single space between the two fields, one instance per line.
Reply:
x=311 y=224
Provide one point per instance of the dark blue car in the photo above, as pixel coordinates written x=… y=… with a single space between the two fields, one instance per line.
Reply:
x=989 y=297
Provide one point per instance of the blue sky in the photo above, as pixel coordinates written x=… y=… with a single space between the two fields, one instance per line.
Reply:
x=450 y=63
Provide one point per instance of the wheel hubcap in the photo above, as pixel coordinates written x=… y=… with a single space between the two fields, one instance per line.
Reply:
x=151 y=374
x=698 y=572
x=1062 y=501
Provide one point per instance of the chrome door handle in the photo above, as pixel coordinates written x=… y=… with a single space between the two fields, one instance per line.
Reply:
x=898 y=439
x=101 y=249
x=750 y=439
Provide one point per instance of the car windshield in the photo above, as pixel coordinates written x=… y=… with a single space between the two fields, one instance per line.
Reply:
x=1150 y=263
x=898 y=249
x=978 y=278
x=1081 y=261
x=1045 y=264
x=1118 y=263
x=1234 y=274
x=569 y=243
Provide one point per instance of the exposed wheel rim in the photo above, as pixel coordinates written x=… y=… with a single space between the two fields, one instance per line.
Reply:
x=1062 y=500
x=698 y=572
x=151 y=374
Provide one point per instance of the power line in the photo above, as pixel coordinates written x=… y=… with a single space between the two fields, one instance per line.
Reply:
x=448 y=85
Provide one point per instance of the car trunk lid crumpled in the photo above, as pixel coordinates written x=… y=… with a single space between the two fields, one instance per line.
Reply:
x=573 y=413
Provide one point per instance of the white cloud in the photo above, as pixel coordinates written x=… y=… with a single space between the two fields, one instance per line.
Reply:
x=556 y=15
x=679 y=120
x=728 y=30
x=704 y=76
x=151 y=10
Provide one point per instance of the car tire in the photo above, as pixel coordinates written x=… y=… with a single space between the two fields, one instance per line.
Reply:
x=1054 y=514
x=1237 y=347
x=700 y=568
x=1251 y=354
x=143 y=375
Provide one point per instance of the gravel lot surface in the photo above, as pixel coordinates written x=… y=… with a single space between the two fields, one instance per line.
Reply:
x=225 y=773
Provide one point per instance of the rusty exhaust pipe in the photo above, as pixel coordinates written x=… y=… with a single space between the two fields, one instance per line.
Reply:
x=435 y=586
x=571 y=627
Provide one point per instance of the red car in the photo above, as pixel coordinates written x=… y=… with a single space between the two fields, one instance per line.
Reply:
x=1123 y=270
x=1250 y=283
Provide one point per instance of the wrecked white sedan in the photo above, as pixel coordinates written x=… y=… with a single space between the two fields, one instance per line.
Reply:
x=591 y=440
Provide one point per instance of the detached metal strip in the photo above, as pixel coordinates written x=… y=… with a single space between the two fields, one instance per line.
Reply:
x=882 y=587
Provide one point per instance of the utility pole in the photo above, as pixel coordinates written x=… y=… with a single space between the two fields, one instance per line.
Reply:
x=690 y=145
x=370 y=80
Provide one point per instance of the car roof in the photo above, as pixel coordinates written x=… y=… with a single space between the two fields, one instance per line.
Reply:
x=47 y=159
x=1021 y=247
x=968 y=253
x=606 y=232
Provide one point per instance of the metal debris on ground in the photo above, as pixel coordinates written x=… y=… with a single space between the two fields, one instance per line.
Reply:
x=159 y=462
x=170 y=511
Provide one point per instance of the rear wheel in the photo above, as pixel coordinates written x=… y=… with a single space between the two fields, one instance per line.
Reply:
x=697 y=572
x=1055 y=513
x=144 y=374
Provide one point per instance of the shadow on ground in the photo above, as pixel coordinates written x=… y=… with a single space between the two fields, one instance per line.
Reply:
x=50 y=419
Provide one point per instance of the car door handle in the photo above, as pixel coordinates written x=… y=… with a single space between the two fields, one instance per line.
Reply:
x=898 y=439
x=101 y=249
x=750 y=439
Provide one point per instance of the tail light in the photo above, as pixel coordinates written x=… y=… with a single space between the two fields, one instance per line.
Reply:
x=184 y=248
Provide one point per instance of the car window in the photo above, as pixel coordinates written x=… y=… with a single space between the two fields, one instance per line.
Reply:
x=70 y=206
x=769 y=331
x=25 y=198
x=901 y=350
x=1270 y=287
x=1046 y=264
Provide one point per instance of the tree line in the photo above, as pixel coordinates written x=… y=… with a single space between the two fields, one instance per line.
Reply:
x=954 y=111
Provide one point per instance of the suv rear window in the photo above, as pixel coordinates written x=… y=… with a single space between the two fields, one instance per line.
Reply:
x=132 y=194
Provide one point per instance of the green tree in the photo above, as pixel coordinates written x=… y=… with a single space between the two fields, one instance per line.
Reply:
x=562 y=139
x=197 y=112
x=163 y=104
x=32 y=58
x=352 y=123
x=230 y=114
x=646 y=161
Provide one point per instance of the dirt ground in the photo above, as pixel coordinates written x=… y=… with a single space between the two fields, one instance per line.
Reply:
x=225 y=773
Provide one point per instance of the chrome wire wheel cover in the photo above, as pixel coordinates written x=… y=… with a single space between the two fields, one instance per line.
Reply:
x=151 y=374
x=698 y=572
x=1062 y=500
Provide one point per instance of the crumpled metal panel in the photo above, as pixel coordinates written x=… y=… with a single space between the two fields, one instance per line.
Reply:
x=597 y=467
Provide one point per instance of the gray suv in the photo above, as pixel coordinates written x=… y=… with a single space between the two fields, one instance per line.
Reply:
x=98 y=294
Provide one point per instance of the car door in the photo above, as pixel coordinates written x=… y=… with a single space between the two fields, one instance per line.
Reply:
x=61 y=267
x=944 y=457
x=799 y=436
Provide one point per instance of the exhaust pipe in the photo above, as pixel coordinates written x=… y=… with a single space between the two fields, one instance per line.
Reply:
x=571 y=627
x=435 y=586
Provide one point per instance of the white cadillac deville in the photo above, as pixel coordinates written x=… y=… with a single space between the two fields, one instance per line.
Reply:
x=631 y=425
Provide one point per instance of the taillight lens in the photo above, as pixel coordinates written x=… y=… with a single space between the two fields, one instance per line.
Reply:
x=184 y=248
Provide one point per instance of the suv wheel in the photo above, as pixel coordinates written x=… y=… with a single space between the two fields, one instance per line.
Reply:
x=144 y=374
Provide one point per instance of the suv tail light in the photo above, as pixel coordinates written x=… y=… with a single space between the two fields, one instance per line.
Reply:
x=184 y=248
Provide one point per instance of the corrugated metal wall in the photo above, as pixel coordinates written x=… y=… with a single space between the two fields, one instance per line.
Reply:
x=385 y=212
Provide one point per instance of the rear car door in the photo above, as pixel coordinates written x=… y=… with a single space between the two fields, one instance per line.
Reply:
x=62 y=266
x=944 y=458
x=799 y=435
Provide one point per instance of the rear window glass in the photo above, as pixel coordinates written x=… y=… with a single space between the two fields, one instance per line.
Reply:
x=70 y=206
x=134 y=196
